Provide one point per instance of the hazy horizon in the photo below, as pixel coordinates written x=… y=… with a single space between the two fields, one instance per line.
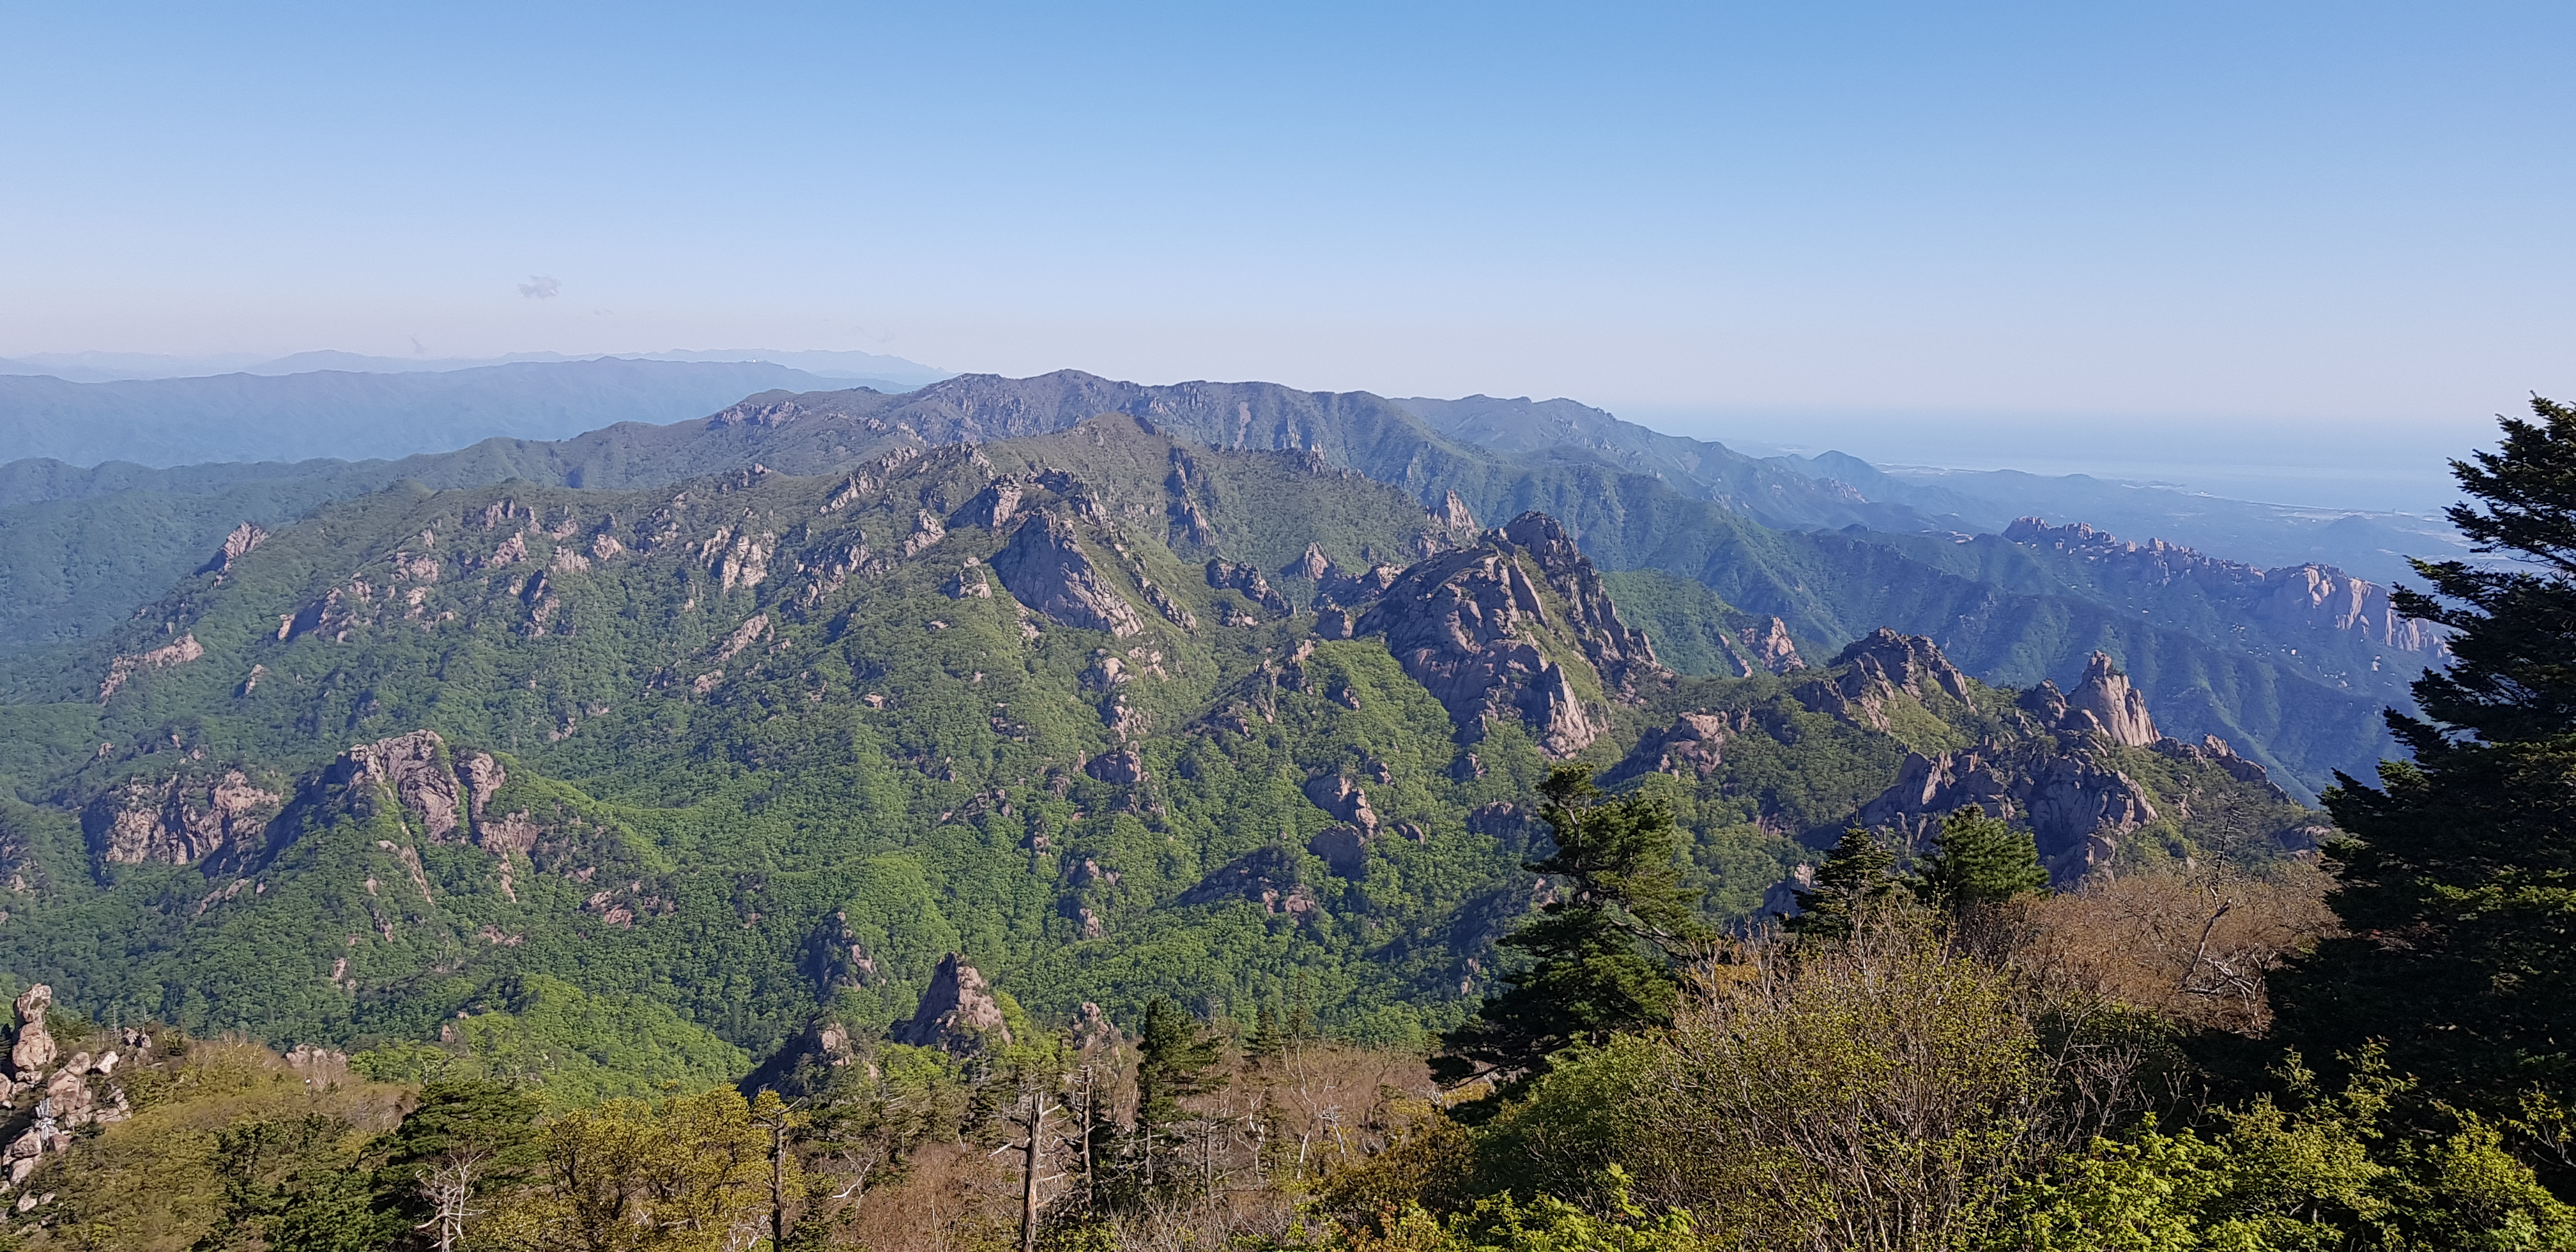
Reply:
x=2332 y=220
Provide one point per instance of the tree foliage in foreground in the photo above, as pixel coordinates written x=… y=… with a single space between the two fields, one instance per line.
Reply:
x=2459 y=883
x=1603 y=955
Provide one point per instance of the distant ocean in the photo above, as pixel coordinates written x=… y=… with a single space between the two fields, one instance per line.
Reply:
x=2320 y=465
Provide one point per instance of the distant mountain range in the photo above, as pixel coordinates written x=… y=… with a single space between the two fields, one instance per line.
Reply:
x=2298 y=691
x=338 y=413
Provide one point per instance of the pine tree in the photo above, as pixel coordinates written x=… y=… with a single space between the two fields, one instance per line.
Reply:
x=1174 y=1057
x=1604 y=954
x=1854 y=877
x=2458 y=886
x=1977 y=863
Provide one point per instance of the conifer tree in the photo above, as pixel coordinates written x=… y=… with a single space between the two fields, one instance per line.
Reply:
x=2458 y=886
x=1854 y=876
x=1603 y=955
x=1978 y=862
x=1174 y=1057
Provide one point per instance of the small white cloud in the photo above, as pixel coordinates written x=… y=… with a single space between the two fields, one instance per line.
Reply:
x=540 y=287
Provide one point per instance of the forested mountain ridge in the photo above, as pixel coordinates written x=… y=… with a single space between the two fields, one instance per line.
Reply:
x=1101 y=707
x=1825 y=585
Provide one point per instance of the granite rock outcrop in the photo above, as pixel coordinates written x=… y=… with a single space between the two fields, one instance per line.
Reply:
x=1045 y=569
x=958 y=1013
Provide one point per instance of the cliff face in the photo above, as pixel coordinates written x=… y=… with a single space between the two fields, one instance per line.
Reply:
x=1468 y=626
x=2308 y=598
x=1045 y=568
x=223 y=819
x=2103 y=706
x=179 y=820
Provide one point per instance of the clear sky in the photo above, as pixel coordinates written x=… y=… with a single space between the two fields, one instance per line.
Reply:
x=1776 y=220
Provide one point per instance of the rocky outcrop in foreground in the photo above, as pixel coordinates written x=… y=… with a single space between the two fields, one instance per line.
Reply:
x=82 y=1092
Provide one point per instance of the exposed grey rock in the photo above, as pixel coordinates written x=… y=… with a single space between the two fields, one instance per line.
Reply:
x=1266 y=876
x=1452 y=513
x=412 y=771
x=1467 y=625
x=2075 y=807
x=1045 y=569
x=168 y=656
x=2216 y=751
x=1876 y=669
x=33 y=1049
x=1770 y=649
x=1692 y=747
x=994 y=506
x=1313 y=566
x=1124 y=766
x=1245 y=577
x=179 y=820
x=1343 y=849
x=2104 y=705
x=236 y=546
x=2316 y=598
x=832 y=957
x=958 y=1013
x=1343 y=799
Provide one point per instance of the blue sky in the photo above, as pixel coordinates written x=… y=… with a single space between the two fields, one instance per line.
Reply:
x=1774 y=221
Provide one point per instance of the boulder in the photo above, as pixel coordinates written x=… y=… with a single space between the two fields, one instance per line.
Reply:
x=1343 y=799
x=34 y=1049
x=1266 y=876
x=1247 y=578
x=1692 y=747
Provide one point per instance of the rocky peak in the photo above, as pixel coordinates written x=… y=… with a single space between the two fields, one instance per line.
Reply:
x=1878 y=668
x=1045 y=568
x=179 y=820
x=1768 y=649
x=1452 y=513
x=1312 y=565
x=1910 y=663
x=417 y=773
x=958 y=1013
x=236 y=546
x=2104 y=705
x=1625 y=657
x=1467 y=625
